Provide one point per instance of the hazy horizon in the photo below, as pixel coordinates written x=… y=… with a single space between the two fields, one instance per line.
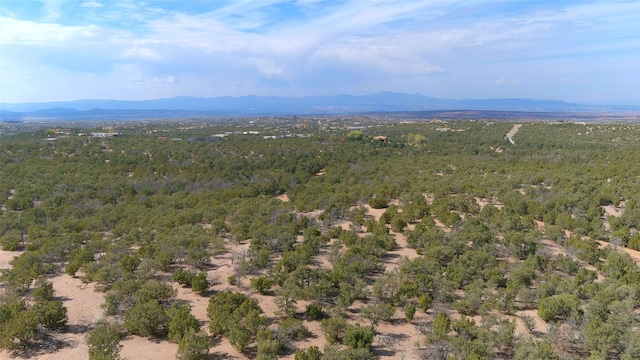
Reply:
x=578 y=52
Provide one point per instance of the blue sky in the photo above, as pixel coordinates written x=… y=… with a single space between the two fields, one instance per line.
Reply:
x=578 y=51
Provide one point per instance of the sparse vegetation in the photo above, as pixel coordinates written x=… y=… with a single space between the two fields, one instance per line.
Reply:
x=435 y=220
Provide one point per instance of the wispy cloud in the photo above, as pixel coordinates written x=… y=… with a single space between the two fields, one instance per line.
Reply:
x=91 y=4
x=141 y=53
x=455 y=48
x=167 y=80
x=37 y=34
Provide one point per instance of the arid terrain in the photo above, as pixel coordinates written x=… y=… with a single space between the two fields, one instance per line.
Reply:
x=502 y=246
x=396 y=339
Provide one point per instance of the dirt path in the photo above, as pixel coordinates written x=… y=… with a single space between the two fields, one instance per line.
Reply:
x=635 y=255
x=394 y=257
x=512 y=132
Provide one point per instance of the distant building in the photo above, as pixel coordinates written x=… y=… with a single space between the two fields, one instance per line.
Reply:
x=104 y=134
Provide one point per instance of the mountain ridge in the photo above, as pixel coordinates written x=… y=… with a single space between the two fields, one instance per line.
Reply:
x=252 y=105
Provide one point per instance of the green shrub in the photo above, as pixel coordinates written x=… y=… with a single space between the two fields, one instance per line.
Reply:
x=527 y=349
x=559 y=306
x=183 y=277
x=51 y=314
x=409 y=312
x=269 y=346
x=424 y=302
x=441 y=326
x=193 y=346
x=129 y=263
x=146 y=319
x=181 y=321
x=261 y=284
x=232 y=280
x=199 y=283
x=291 y=329
x=155 y=290
x=358 y=337
x=378 y=202
x=19 y=331
x=311 y=353
x=334 y=328
x=10 y=241
x=104 y=342
x=315 y=312
x=236 y=316
x=42 y=290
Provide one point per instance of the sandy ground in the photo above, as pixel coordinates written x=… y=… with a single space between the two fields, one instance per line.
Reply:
x=555 y=249
x=395 y=340
x=484 y=201
x=139 y=348
x=376 y=213
x=6 y=257
x=540 y=326
x=635 y=255
x=392 y=260
x=612 y=210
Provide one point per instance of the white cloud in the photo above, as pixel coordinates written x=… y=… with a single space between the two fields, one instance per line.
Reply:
x=19 y=32
x=167 y=80
x=91 y=4
x=141 y=53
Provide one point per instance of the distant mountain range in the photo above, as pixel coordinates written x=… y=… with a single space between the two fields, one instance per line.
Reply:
x=183 y=106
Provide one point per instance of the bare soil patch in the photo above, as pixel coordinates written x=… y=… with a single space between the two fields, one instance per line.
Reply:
x=140 y=348
x=612 y=210
x=376 y=213
x=403 y=250
x=482 y=202
x=635 y=255
x=6 y=257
